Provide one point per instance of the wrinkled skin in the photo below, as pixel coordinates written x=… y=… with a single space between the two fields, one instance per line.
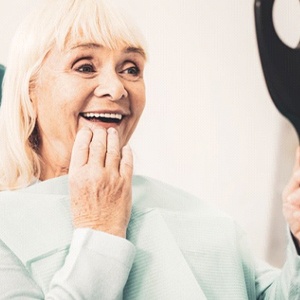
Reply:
x=100 y=181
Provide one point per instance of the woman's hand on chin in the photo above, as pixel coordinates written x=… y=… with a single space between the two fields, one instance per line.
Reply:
x=100 y=179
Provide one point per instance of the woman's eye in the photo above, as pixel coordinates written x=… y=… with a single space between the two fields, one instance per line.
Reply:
x=86 y=69
x=135 y=71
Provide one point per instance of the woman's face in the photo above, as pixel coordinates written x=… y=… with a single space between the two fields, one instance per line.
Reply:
x=87 y=85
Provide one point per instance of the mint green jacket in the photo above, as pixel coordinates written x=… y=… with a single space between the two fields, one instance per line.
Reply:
x=177 y=248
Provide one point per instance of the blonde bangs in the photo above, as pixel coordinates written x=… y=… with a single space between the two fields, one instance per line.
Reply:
x=96 y=22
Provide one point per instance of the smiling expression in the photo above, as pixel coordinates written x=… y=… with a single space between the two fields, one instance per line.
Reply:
x=86 y=85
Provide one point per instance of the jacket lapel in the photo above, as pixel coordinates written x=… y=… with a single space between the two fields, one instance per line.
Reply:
x=160 y=270
x=39 y=227
x=38 y=233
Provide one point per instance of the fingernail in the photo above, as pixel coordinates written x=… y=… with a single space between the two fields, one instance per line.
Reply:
x=126 y=147
x=296 y=214
x=86 y=128
x=111 y=130
x=89 y=127
x=297 y=174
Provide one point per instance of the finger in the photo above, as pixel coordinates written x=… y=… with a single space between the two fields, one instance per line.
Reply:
x=297 y=159
x=296 y=215
x=126 y=164
x=80 y=151
x=294 y=198
x=294 y=182
x=112 y=159
x=98 y=147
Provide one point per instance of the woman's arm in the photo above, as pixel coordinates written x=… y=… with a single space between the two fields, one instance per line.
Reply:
x=275 y=284
x=97 y=267
x=272 y=284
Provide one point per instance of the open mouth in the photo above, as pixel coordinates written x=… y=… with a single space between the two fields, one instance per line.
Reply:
x=103 y=117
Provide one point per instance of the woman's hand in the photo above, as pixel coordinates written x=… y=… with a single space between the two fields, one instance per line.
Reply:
x=100 y=181
x=291 y=200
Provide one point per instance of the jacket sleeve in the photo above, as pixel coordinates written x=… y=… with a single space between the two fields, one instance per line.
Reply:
x=96 y=267
x=278 y=284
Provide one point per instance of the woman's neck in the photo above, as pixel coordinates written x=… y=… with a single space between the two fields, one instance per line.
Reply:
x=55 y=163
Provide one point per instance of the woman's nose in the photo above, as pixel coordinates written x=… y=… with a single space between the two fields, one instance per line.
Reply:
x=111 y=87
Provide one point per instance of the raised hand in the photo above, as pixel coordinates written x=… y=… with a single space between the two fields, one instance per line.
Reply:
x=291 y=200
x=100 y=178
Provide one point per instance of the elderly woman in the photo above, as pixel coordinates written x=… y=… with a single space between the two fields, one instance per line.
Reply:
x=73 y=95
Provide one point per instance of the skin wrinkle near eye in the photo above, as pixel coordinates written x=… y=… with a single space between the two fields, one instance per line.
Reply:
x=128 y=67
x=82 y=58
x=134 y=61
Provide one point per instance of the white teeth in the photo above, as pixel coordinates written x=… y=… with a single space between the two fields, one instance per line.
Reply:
x=102 y=115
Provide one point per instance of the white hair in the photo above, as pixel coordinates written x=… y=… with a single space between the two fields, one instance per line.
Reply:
x=60 y=23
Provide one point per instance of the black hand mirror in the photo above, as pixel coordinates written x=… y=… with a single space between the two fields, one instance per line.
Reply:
x=280 y=63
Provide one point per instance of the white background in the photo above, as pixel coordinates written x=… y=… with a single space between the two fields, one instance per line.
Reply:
x=209 y=126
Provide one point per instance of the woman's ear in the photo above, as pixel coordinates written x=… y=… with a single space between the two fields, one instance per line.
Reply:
x=34 y=87
x=33 y=91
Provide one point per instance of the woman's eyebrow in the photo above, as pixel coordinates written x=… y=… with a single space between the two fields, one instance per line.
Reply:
x=86 y=45
x=129 y=49
x=135 y=50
